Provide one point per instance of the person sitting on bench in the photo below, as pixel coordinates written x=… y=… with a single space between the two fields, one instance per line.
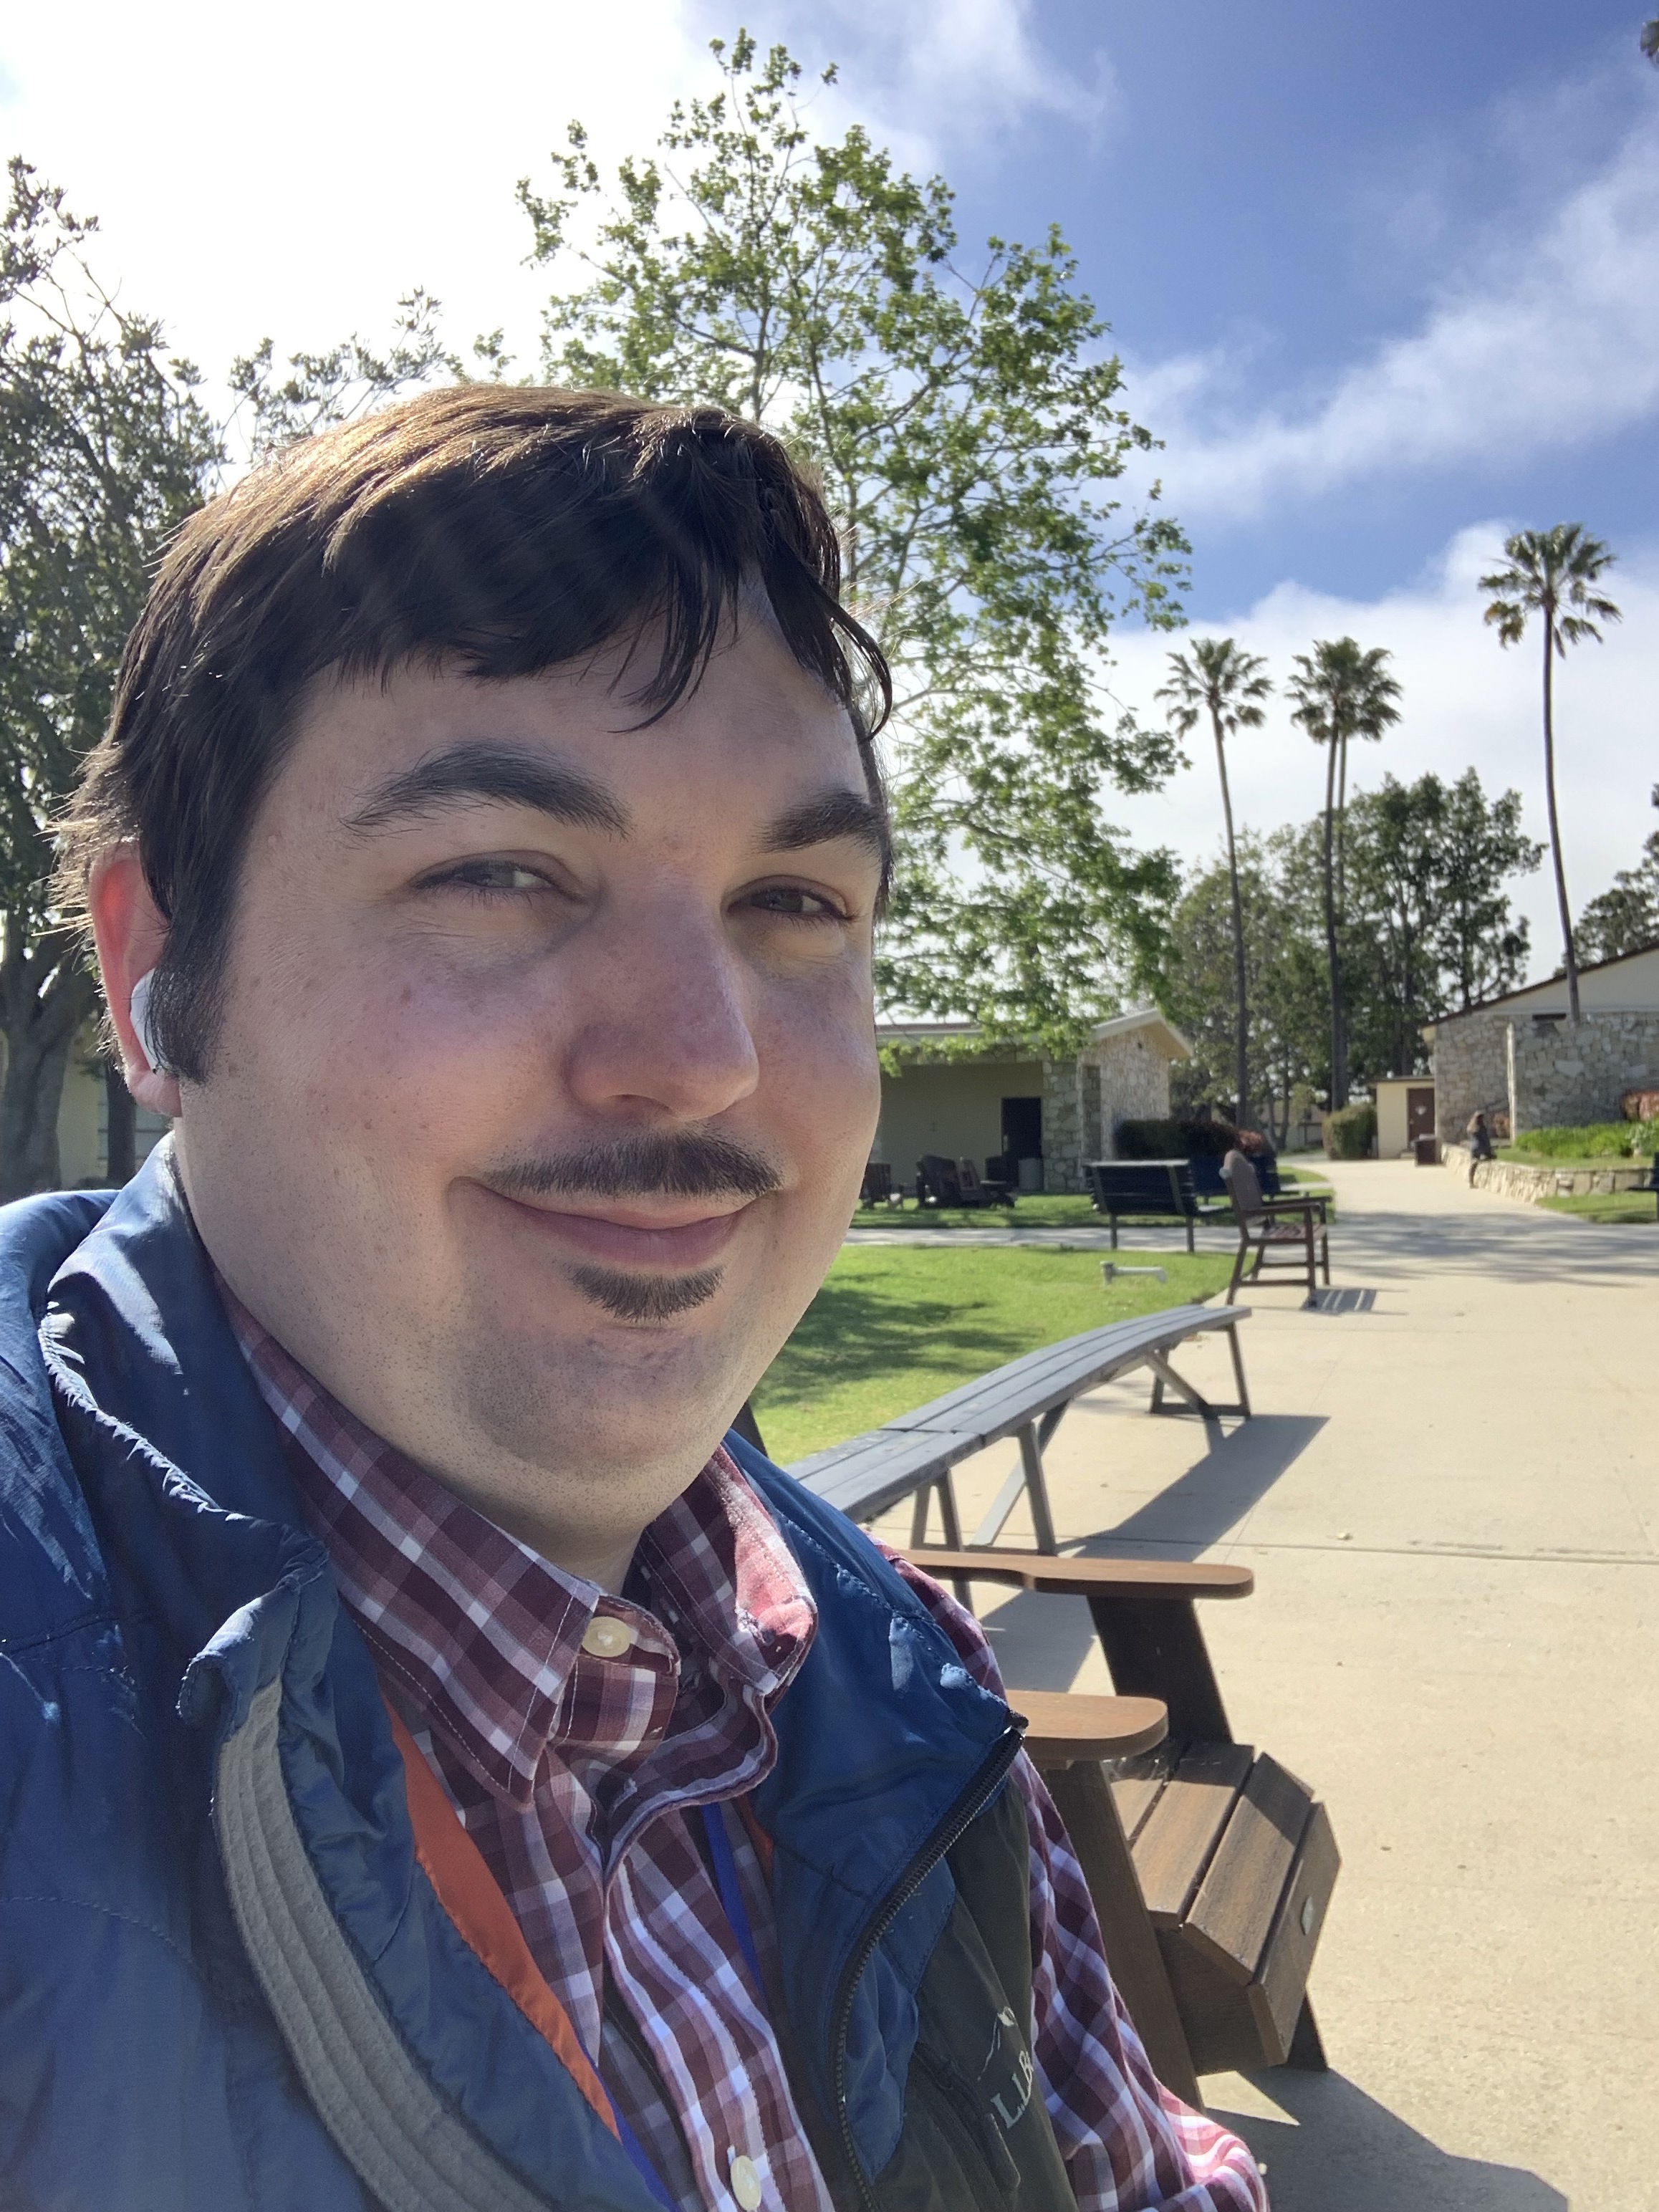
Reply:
x=443 y=1767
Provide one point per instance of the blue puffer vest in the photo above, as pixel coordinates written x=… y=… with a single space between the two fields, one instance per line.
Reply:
x=226 y=1982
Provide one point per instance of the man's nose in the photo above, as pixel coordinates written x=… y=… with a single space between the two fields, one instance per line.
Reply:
x=665 y=1019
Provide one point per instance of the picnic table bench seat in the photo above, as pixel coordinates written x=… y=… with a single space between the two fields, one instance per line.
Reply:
x=1211 y=1865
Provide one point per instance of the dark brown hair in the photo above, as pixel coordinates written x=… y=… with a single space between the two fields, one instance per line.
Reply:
x=498 y=530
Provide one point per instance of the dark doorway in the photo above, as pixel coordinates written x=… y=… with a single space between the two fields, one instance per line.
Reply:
x=1419 y=1113
x=1021 y=1128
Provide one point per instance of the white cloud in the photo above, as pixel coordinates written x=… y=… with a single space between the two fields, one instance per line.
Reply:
x=293 y=174
x=1555 y=342
x=938 y=71
x=1468 y=703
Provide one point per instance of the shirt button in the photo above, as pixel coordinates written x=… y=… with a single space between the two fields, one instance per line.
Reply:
x=746 y=2181
x=607 y=1637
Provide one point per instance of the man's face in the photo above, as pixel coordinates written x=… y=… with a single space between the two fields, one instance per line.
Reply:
x=548 y=1073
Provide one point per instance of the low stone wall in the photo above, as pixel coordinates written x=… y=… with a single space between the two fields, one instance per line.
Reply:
x=1511 y=1179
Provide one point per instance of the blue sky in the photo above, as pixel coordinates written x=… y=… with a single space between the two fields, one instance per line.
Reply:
x=1385 y=279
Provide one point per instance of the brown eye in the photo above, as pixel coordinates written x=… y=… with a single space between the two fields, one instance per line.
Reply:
x=487 y=878
x=795 y=903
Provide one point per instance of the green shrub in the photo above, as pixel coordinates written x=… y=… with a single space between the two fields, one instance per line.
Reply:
x=1351 y=1131
x=1596 y=1140
x=1175 y=1140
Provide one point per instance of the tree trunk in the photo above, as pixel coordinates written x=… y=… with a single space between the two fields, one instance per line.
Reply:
x=29 y=1100
x=1339 y=1040
x=121 y=1120
x=46 y=993
x=1342 y=839
x=1241 y=993
x=1555 y=819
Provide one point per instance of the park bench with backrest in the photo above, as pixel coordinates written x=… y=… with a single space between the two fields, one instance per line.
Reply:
x=1286 y=1236
x=1211 y=1866
x=1155 y=1190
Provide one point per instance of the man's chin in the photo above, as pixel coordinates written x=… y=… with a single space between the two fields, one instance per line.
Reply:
x=631 y=1296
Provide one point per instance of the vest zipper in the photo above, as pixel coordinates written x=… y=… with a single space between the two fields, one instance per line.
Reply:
x=961 y=1816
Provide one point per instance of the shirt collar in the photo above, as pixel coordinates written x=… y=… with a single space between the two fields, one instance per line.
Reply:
x=488 y=1637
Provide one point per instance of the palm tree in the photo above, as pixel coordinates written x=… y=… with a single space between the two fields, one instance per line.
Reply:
x=1226 y=684
x=1551 y=573
x=1341 y=691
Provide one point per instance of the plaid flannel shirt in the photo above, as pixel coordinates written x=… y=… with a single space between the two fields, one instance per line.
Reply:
x=577 y=1733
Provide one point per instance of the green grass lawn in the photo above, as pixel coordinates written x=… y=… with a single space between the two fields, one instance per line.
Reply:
x=1036 y=1211
x=1621 y=1205
x=893 y=1327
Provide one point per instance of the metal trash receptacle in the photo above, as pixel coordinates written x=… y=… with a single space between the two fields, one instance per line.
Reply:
x=1428 y=1152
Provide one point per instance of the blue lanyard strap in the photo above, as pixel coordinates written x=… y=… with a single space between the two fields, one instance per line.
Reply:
x=731 y=1890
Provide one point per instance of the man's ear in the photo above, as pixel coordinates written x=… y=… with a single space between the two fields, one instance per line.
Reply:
x=131 y=937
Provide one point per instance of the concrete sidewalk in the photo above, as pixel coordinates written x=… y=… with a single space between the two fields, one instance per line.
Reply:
x=1448 y=1495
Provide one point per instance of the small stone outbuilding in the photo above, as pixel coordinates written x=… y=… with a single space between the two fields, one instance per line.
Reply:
x=1520 y=1056
x=1047 y=1115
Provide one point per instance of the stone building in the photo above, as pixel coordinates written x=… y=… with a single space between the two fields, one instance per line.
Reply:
x=1519 y=1055
x=1050 y=1115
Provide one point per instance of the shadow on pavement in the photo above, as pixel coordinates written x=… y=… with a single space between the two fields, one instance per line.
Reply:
x=1041 y=1641
x=1342 y=1302
x=1339 y=2150
x=1511 y=1242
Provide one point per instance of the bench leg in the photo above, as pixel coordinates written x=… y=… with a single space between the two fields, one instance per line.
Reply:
x=1239 y=1267
x=1084 y=1799
x=1037 y=1490
x=1307 y=2052
x=944 y=1491
x=1238 y=1371
x=1154 y=1648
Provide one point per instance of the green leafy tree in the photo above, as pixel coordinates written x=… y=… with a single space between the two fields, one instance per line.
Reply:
x=1650 y=38
x=276 y=404
x=1341 y=691
x=1625 y=918
x=1288 y=1034
x=1481 y=945
x=105 y=446
x=1217 y=680
x=1430 y=913
x=969 y=430
x=1552 y=574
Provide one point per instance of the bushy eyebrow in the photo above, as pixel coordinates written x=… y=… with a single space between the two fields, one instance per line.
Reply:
x=826 y=817
x=510 y=775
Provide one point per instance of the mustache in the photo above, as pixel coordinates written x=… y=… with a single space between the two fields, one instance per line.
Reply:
x=644 y=1164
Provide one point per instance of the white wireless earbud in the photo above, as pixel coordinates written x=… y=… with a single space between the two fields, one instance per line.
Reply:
x=138 y=1006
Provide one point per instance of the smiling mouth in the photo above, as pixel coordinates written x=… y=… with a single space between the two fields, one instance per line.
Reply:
x=686 y=1238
